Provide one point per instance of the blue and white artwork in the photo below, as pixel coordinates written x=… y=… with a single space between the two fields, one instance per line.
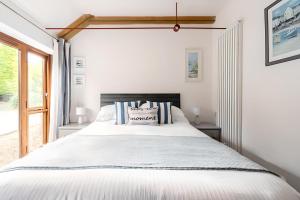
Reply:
x=283 y=30
x=193 y=65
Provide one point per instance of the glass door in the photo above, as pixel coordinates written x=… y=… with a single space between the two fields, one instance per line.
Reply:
x=36 y=100
x=24 y=99
x=9 y=104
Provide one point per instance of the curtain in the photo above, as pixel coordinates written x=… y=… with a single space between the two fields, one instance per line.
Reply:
x=60 y=88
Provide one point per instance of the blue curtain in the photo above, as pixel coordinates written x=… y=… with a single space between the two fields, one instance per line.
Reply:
x=64 y=72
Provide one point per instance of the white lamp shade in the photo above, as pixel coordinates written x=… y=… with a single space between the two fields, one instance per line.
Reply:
x=196 y=111
x=80 y=111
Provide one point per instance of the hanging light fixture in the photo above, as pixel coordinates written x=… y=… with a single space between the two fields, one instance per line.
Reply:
x=177 y=26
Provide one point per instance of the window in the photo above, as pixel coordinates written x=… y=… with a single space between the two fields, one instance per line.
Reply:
x=24 y=98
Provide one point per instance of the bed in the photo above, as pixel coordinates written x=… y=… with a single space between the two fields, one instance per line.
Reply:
x=106 y=161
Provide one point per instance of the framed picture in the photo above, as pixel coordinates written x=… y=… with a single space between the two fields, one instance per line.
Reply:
x=193 y=65
x=79 y=65
x=79 y=80
x=282 y=24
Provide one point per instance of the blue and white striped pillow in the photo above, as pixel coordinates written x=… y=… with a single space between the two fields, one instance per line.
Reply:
x=122 y=111
x=164 y=111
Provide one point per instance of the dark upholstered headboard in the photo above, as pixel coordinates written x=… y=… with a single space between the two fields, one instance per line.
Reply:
x=108 y=99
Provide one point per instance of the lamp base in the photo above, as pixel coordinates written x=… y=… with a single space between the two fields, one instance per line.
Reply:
x=197 y=120
x=80 y=119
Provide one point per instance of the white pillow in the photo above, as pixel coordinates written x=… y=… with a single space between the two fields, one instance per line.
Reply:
x=106 y=113
x=144 y=105
x=177 y=114
x=143 y=116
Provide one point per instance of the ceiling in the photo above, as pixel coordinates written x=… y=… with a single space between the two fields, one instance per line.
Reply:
x=60 y=13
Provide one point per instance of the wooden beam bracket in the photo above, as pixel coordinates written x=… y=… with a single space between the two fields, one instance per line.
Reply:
x=81 y=22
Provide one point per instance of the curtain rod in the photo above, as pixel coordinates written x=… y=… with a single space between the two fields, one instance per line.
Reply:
x=128 y=28
x=37 y=26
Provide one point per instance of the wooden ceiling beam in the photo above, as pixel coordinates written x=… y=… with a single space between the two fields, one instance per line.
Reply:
x=127 y=20
x=81 y=22
x=87 y=19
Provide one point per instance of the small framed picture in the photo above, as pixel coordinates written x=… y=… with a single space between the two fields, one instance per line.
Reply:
x=282 y=21
x=79 y=65
x=79 y=80
x=193 y=65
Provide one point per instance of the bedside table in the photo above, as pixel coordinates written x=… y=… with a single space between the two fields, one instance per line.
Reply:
x=70 y=128
x=209 y=129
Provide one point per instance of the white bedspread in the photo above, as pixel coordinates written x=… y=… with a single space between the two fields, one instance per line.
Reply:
x=139 y=184
x=180 y=128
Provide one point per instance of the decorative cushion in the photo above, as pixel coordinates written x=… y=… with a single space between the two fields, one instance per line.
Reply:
x=164 y=111
x=122 y=111
x=144 y=105
x=143 y=116
x=106 y=113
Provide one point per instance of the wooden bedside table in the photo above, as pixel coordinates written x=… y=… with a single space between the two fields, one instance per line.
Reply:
x=70 y=128
x=209 y=129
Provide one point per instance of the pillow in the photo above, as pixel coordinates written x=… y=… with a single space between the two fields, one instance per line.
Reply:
x=144 y=105
x=177 y=115
x=164 y=111
x=106 y=113
x=142 y=116
x=122 y=111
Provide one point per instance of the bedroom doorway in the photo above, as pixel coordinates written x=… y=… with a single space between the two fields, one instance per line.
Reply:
x=24 y=98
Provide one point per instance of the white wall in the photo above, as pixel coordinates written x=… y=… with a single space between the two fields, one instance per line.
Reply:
x=142 y=61
x=271 y=95
x=13 y=25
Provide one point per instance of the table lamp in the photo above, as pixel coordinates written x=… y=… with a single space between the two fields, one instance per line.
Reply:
x=80 y=112
x=196 y=112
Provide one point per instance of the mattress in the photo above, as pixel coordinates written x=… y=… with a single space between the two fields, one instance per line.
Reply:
x=62 y=170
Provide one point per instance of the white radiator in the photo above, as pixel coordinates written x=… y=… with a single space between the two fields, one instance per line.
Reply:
x=229 y=116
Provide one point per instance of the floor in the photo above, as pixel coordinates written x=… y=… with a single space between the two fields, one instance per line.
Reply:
x=9 y=134
x=9 y=150
x=9 y=144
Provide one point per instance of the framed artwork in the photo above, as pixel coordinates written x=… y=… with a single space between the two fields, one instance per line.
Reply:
x=282 y=27
x=79 y=80
x=79 y=65
x=193 y=65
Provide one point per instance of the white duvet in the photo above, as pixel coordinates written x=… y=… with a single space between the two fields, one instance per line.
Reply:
x=179 y=128
x=131 y=184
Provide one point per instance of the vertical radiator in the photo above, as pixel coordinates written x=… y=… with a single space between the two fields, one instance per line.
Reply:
x=229 y=116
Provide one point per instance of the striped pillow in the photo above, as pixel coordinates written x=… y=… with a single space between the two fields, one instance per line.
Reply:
x=164 y=111
x=122 y=111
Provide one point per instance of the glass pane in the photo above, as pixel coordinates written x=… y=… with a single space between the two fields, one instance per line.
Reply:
x=35 y=134
x=9 y=103
x=35 y=80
